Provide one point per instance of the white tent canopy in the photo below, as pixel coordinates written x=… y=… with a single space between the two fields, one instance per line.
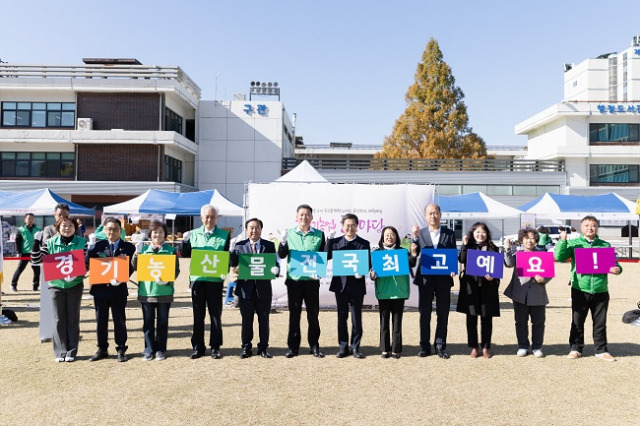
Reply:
x=609 y=206
x=303 y=172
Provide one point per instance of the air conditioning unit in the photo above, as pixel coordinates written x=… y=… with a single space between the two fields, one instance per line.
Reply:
x=85 y=123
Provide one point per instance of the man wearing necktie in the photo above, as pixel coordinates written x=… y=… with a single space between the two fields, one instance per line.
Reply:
x=254 y=295
x=206 y=292
x=113 y=294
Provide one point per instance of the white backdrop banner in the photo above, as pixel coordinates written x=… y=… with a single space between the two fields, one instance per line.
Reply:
x=376 y=206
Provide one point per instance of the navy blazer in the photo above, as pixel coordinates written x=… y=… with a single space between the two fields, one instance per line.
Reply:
x=447 y=241
x=244 y=288
x=101 y=249
x=355 y=286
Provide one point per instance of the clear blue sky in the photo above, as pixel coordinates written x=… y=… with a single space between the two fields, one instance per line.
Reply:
x=343 y=66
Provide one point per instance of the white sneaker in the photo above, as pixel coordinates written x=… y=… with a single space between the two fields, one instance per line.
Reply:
x=69 y=358
x=59 y=359
x=538 y=353
x=606 y=356
x=574 y=355
x=522 y=352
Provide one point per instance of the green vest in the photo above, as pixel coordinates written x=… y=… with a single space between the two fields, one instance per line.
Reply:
x=54 y=246
x=296 y=240
x=151 y=288
x=217 y=241
x=27 y=238
x=393 y=287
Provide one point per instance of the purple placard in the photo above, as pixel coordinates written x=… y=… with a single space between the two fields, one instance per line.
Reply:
x=481 y=263
x=595 y=260
x=532 y=263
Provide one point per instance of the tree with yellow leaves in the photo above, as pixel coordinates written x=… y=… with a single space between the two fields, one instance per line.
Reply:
x=435 y=123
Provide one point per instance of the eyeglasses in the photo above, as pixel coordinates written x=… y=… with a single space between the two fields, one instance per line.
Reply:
x=112 y=229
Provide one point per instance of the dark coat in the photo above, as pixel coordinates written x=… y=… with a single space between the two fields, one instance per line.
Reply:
x=524 y=290
x=101 y=249
x=447 y=241
x=244 y=288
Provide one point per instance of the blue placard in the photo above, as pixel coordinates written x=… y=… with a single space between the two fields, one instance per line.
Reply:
x=311 y=264
x=481 y=263
x=388 y=263
x=439 y=261
x=347 y=263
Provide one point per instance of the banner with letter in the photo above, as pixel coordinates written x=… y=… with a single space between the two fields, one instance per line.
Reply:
x=388 y=263
x=481 y=263
x=63 y=266
x=438 y=261
x=157 y=267
x=532 y=263
x=311 y=264
x=595 y=260
x=256 y=266
x=209 y=263
x=104 y=269
x=348 y=263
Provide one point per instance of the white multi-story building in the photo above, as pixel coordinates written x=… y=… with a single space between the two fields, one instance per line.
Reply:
x=595 y=130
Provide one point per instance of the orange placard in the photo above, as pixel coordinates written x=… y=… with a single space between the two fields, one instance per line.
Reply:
x=104 y=269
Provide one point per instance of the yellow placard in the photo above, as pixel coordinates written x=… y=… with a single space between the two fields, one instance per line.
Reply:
x=104 y=269
x=156 y=267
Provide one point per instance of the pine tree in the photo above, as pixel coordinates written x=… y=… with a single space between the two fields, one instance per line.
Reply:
x=435 y=123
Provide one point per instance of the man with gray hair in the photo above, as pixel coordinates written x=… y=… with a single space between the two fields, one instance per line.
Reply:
x=206 y=292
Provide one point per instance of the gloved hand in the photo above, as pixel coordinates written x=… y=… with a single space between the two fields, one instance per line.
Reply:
x=233 y=276
x=332 y=234
x=114 y=282
x=357 y=276
x=38 y=236
x=275 y=270
x=139 y=246
x=186 y=235
x=282 y=236
x=162 y=282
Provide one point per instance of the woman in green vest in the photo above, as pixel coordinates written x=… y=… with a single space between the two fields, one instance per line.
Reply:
x=391 y=293
x=66 y=294
x=155 y=296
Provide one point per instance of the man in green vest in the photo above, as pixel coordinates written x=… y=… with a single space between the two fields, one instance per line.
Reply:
x=24 y=244
x=206 y=292
x=302 y=238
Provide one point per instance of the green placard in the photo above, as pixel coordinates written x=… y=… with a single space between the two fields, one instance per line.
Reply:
x=256 y=266
x=209 y=263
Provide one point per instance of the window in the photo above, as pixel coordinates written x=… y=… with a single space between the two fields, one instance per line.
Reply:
x=499 y=189
x=38 y=164
x=38 y=114
x=172 y=121
x=172 y=169
x=614 y=132
x=603 y=174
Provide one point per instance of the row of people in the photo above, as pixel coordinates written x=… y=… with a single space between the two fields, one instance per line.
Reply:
x=478 y=295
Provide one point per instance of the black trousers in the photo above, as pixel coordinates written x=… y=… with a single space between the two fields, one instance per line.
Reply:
x=486 y=328
x=309 y=293
x=155 y=337
x=426 y=293
x=393 y=308
x=348 y=303
x=22 y=264
x=248 y=308
x=117 y=306
x=521 y=314
x=581 y=304
x=206 y=294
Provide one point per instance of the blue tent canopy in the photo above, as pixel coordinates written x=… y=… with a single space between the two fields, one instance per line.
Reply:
x=153 y=201
x=38 y=202
x=609 y=206
x=474 y=205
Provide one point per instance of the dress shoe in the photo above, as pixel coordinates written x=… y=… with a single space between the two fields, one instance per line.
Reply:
x=215 y=354
x=474 y=353
x=424 y=353
x=291 y=353
x=384 y=355
x=264 y=353
x=486 y=353
x=395 y=355
x=246 y=353
x=122 y=356
x=358 y=354
x=36 y=288
x=316 y=352
x=342 y=354
x=441 y=352
x=101 y=354
x=160 y=356
x=196 y=354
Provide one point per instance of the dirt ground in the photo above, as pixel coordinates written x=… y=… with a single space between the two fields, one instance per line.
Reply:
x=304 y=390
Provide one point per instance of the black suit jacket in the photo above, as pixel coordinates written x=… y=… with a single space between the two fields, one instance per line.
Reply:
x=101 y=249
x=355 y=286
x=244 y=288
x=447 y=241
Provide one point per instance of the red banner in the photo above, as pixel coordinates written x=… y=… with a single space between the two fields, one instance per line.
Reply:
x=64 y=266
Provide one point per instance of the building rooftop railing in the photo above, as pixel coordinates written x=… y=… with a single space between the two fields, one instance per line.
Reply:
x=453 y=165
x=350 y=146
x=116 y=71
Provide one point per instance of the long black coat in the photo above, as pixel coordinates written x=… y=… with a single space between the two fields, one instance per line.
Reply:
x=477 y=295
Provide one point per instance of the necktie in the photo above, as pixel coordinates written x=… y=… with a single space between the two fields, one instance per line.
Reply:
x=112 y=246
x=253 y=248
x=207 y=234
